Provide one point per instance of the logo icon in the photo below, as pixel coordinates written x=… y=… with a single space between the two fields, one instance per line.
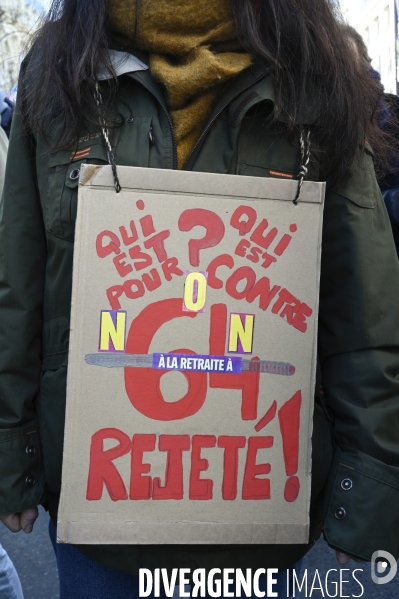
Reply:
x=381 y=562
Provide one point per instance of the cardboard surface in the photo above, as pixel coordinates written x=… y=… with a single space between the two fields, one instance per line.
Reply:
x=192 y=359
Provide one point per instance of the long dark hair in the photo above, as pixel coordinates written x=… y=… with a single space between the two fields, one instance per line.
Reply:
x=302 y=41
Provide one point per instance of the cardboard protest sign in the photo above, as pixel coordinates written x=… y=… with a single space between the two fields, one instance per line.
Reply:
x=192 y=359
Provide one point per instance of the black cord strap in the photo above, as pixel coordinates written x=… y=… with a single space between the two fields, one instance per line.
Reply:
x=104 y=129
x=305 y=158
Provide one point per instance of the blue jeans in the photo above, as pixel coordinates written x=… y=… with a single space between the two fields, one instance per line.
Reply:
x=83 y=578
x=10 y=586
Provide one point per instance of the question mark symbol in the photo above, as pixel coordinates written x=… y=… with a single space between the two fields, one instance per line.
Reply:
x=214 y=231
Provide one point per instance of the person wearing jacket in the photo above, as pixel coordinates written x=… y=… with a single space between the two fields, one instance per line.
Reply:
x=6 y=112
x=388 y=121
x=3 y=158
x=389 y=181
x=225 y=87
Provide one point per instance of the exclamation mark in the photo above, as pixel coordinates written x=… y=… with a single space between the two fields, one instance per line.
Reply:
x=289 y=418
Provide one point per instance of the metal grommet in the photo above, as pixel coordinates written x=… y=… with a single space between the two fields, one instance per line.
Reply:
x=130 y=119
x=75 y=174
x=30 y=481
x=30 y=450
x=340 y=513
x=151 y=136
x=346 y=484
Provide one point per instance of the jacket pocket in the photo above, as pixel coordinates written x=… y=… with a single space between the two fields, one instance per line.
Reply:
x=263 y=151
x=362 y=188
x=52 y=399
x=51 y=417
x=323 y=448
x=142 y=140
x=62 y=188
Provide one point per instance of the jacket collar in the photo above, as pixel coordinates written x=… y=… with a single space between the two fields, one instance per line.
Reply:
x=257 y=78
x=123 y=63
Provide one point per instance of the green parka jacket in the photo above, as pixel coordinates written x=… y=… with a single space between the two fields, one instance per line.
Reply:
x=355 y=467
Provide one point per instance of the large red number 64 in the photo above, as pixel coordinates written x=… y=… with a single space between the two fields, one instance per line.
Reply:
x=143 y=384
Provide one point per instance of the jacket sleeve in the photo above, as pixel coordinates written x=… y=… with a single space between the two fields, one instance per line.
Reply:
x=359 y=354
x=22 y=268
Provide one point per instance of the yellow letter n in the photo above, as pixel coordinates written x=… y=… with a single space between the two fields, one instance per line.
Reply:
x=241 y=333
x=112 y=331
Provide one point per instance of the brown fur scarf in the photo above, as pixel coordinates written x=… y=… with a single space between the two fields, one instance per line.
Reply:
x=193 y=52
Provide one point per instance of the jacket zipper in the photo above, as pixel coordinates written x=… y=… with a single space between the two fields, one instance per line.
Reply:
x=194 y=153
x=164 y=108
x=187 y=166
